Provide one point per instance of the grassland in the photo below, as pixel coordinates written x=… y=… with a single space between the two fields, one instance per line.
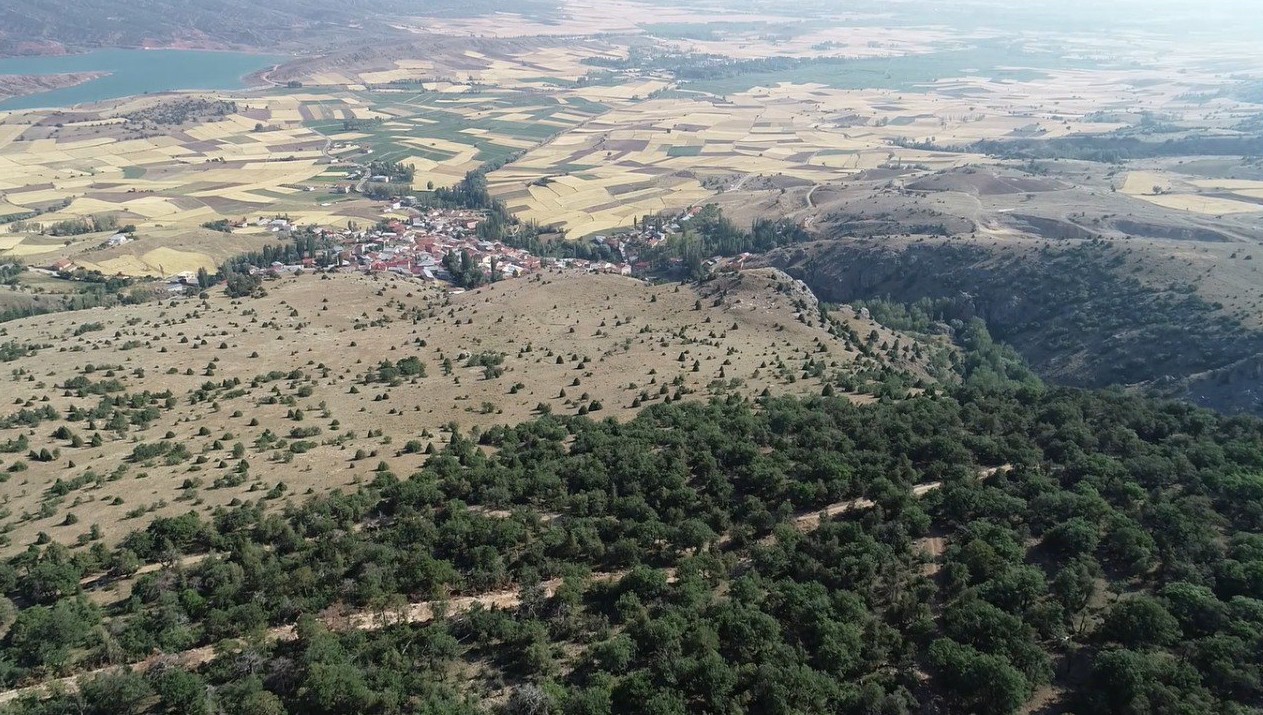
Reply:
x=295 y=377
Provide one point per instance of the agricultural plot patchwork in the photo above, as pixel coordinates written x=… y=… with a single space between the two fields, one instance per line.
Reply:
x=443 y=135
x=593 y=148
x=1214 y=197
x=524 y=67
x=255 y=160
x=281 y=153
x=670 y=153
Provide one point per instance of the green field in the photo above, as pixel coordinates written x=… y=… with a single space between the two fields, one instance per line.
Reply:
x=912 y=73
x=433 y=115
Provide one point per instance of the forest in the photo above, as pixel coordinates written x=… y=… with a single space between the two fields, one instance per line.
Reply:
x=965 y=549
x=1074 y=311
x=710 y=233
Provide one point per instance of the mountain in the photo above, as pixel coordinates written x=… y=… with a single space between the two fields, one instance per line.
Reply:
x=41 y=25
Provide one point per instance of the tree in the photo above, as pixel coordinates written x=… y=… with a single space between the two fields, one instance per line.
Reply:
x=1140 y=621
x=45 y=636
x=529 y=700
x=125 y=562
x=1128 y=681
x=1075 y=584
x=1196 y=609
x=977 y=682
x=992 y=631
x=337 y=688
x=182 y=692
x=1072 y=537
x=52 y=579
x=257 y=703
x=119 y=693
x=243 y=285
x=1127 y=545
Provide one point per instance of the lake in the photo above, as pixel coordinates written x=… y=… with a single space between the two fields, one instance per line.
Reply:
x=134 y=72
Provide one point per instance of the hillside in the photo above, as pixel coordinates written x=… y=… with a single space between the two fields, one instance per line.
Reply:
x=124 y=415
x=1084 y=313
x=985 y=552
x=37 y=26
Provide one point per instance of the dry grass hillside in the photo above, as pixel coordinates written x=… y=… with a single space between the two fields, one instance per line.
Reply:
x=118 y=416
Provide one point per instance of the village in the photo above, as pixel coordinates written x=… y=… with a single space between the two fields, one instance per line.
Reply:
x=428 y=244
x=420 y=244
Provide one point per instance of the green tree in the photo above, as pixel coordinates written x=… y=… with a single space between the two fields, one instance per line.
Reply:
x=977 y=682
x=121 y=693
x=1140 y=621
x=182 y=692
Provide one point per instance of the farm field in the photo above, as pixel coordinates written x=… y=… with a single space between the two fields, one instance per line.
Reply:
x=1181 y=192
x=445 y=134
x=542 y=67
x=592 y=149
x=253 y=159
x=670 y=153
x=276 y=154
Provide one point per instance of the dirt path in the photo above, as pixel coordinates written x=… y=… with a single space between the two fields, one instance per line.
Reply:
x=934 y=547
x=811 y=521
x=420 y=612
x=741 y=182
x=267 y=76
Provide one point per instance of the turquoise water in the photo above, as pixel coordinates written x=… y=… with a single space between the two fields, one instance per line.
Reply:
x=134 y=72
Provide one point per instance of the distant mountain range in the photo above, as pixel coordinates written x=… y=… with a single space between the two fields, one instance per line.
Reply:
x=45 y=26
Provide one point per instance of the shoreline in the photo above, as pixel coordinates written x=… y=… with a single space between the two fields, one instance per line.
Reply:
x=130 y=79
x=14 y=86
